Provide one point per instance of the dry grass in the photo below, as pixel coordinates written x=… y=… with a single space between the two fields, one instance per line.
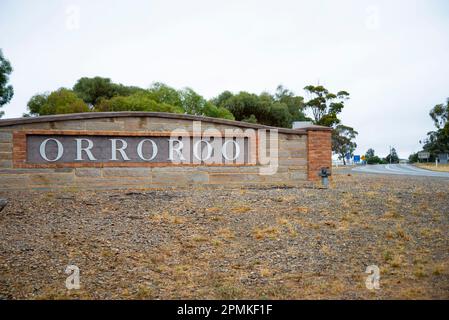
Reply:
x=226 y=233
x=433 y=167
x=288 y=226
x=241 y=209
x=233 y=244
x=302 y=210
x=213 y=210
x=167 y=218
x=267 y=232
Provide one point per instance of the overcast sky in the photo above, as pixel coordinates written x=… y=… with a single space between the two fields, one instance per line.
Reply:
x=391 y=56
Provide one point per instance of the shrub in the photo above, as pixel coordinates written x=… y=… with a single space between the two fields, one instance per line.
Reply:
x=136 y=102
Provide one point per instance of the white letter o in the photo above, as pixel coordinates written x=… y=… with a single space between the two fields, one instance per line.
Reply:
x=237 y=150
x=140 y=153
x=197 y=145
x=43 y=153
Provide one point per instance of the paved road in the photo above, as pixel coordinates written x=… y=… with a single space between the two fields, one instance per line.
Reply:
x=402 y=169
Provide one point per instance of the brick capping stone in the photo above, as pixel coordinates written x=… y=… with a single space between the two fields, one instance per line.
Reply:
x=166 y=115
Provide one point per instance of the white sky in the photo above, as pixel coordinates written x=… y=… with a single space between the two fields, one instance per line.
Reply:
x=391 y=56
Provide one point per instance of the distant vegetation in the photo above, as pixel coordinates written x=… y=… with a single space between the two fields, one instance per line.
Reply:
x=280 y=109
x=372 y=158
x=6 y=91
x=101 y=94
x=436 y=141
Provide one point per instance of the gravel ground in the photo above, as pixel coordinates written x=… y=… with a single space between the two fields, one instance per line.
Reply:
x=256 y=243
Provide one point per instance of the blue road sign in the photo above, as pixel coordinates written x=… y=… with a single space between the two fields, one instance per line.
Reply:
x=356 y=159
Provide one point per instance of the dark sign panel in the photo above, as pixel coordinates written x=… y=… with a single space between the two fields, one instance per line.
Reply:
x=48 y=149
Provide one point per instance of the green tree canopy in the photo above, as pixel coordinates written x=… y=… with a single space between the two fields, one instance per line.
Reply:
x=243 y=105
x=250 y=119
x=392 y=157
x=222 y=97
x=141 y=101
x=6 y=91
x=440 y=114
x=58 y=102
x=279 y=116
x=278 y=110
x=92 y=90
x=371 y=158
x=325 y=106
x=370 y=153
x=413 y=157
x=162 y=93
x=192 y=102
x=294 y=103
x=342 y=141
x=211 y=110
x=101 y=94
x=438 y=141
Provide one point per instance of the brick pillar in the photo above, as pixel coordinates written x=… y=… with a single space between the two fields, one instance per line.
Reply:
x=319 y=151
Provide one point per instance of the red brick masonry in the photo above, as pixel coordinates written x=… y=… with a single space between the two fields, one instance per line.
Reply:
x=319 y=152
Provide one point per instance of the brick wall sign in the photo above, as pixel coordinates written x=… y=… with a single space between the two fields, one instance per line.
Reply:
x=150 y=150
x=46 y=149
